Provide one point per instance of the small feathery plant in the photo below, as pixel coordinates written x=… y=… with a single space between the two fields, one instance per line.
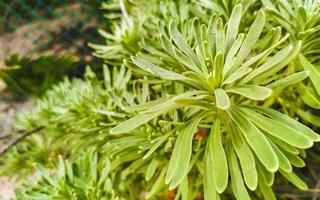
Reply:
x=199 y=101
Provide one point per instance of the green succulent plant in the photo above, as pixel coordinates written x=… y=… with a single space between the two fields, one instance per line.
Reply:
x=85 y=178
x=200 y=100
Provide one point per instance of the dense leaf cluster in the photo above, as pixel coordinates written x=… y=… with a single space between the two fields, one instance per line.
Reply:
x=200 y=99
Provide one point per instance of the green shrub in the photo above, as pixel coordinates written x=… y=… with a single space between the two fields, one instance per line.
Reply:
x=201 y=100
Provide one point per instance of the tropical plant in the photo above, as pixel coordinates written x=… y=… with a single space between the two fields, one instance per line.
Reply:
x=201 y=100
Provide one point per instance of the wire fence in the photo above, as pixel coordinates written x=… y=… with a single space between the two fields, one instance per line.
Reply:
x=33 y=26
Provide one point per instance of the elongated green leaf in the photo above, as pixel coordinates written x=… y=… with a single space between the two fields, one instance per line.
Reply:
x=183 y=189
x=308 y=117
x=246 y=158
x=289 y=121
x=220 y=37
x=181 y=155
x=181 y=42
x=252 y=91
x=295 y=160
x=230 y=59
x=173 y=101
x=233 y=25
x=256 y=140
x=218 y=157
x=295 y=180
x=156 y=146
x=252 y=36
x=218 y=65
x=281 y=65
x=222 y=99
x=267 y=176
x=237 y=184
x=237 y=75
x=270 y=64
x=266 y=190
x=278 y=129
x=152 y=169
x=284 y=163
x=133 y=123
x=209 y=187
x=308 y=96
x=158 y=185
x=156 y=70
x=289 y=80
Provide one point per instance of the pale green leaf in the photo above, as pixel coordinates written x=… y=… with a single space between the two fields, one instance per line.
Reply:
x=233 y=24
x=222 y=99
x=220 y=37
x=267 y=176
x=218 y=157
x=152 y=168
x=237 y=184
x=269 y=65
x=218 y=65
x=256 y=140
x=254 y=92
x=278 y=129
x=308 y=96
x=209 y=187
x=266 y=190
x=156 y=146
x=246 y=158
x=284 y=162
x=309 y=117
x=181 y=155
x=252 y=36
x=289 y=80
x=156 y=70
x=292 y=55
x=158 y=184
x=289 y=121
x=295 y=180
x=237 y=75
x=181 y=42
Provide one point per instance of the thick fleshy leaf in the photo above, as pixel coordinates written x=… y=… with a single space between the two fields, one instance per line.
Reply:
x=284 y=62
x=256 y=140
x=209 y=187
x=308 y=117
x=233 y=24
x=218 y=65
x=270 y=64
x=295 y=180
x=266 y=190
x=278 y=129
x=308 y=96
x=284 y=163
x=246 y=158
x=222 y=99
x=133 y=123
x=252 y=91
x=158 y=184
x=152 y=168
x=314 y=73
x=237 y=184
x=218 y=157
x=181 y=155
x=289 y=121
x=252 y=36
x=181 y=42
x=151 y=113
x=156 y=70
x=267 y=176
x=289 y=80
